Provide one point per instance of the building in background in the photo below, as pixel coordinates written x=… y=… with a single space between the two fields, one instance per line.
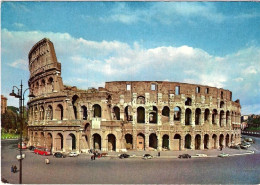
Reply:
x=3 y=104
x=125 y=115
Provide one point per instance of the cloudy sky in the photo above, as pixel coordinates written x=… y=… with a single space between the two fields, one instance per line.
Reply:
x=210 y=43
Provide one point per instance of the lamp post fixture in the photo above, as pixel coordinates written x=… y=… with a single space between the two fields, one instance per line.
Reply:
x=20 y=95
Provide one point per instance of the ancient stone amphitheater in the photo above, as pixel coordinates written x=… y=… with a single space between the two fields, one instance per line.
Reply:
x=125 y=115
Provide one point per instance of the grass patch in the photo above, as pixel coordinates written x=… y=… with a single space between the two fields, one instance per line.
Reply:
x=9 y=135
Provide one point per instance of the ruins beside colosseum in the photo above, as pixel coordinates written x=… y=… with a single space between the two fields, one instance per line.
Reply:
x=125 y=115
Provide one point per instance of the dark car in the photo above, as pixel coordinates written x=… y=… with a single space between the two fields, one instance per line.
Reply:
x=31 y=147
x=235 y=147
x=59 y=155
x=124 y=156
x=147 y=156
x=184 y=156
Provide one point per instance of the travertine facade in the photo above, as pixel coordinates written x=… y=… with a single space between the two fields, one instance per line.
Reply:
x=3 y=104
x=125 y=115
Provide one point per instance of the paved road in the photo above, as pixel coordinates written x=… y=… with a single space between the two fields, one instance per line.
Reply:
x=81 y=170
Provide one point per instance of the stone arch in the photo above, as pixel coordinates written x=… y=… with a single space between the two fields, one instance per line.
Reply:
x=59 y=141
x=187 y=141
x=221 y=105
x=197 y=142
x=36 y=113
x=177 y=114
x=71 y=142
x=188 y=101
x=41 y=140
x=111 y=142
x=128 y=113
x=232 y=139
x=206 y=115
x=227 y=140
x=206 y=141
x=177 y=142
x=96 y=141
x=140 y=141
x=165 y=142
x=214 y=116
x=197 y=116
x=153 y=141
x=36 y=139
x=128 y=141
x=227 y=117
x=221 y=118
x=116 y=113
x=221 y=140
x=165 y=114
x=50 y=84
x=214 y=141
x=188 y=116
x=97 y=111
x=49 y=141
x=84 y=112
x=140 y=100
x=153 y=115
x=140 y=115
x=59 y=112
x=49 y=113
x=42 y=113
x=75 y=101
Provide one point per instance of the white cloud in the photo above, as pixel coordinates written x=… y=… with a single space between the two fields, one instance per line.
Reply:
x=89 y=63
x=18 y=25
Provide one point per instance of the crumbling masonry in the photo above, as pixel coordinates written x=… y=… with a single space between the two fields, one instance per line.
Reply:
x=125 y=115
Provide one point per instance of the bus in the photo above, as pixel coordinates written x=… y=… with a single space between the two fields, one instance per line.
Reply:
x=41 y=151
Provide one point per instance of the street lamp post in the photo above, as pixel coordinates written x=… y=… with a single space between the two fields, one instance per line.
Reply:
x=20 y=95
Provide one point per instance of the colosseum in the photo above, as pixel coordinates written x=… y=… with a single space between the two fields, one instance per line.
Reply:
x=125 y=115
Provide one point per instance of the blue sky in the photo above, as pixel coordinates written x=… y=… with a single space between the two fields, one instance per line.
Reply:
x=210 y=43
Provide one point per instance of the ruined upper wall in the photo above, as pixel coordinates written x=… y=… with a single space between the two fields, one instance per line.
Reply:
x=42 y=58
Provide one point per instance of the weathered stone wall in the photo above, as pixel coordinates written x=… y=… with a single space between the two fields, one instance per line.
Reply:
x=137 y=115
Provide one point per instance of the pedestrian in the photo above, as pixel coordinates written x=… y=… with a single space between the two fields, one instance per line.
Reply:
x=47 y=161
x=159 y=154
x=221 y=147
x=94 y=156
x=12 y=168
x=15 y=168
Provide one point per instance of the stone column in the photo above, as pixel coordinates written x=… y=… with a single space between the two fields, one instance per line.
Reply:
x=104 y=143
x=192 y=145
x=182 y=142
x=183 y=116
x=159 y=142
x=202 y=142
x=202 y=117
x=134 y=138
x=146 y=141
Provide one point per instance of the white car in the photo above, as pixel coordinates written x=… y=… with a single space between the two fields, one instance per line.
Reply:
x=73 y=154
x=223 y=155
x=19 y=156
x=201 y=155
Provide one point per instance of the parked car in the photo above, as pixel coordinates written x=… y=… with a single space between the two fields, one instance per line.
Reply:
x=201 y=155
x=235 y=147
x=31 y=147
x=23 y=145
x=223 y=155
x=186 y=156
x=147 y=156
x=250 y=140
x=41 y=151
x=20 y=157
x=59 y=155
x=73 y=154
x=122 y=156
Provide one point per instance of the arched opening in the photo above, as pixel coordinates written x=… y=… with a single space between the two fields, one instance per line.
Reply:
x=206 y=141
x=232 y=139
x=35 y=139
x=221 y=104
x=50 y=84
x=96 y=142
x=227 y=117
x=214 y=141
x=177 y=114
x=128 y=141
x=165 y=114
x=49 y=113
x=59 y=141
x=128 y=113
x=177 y=142
x=188 y=117
x=71 y=142
x=140 y=115
x=116 y=114
x=197 y=116
x=41 y=140
x=97 y=111
x=35 y=113
x=86 y=142
x=197 y=142
x=165 y=142
x=221 y=118
x=206 y=115
x=187 y=141
x=59 y=112
x=42 y=113
x=188 y=101
x=140 y=141
x=221 y=140
x=111 y=142
x=49 y=142
x=84 y=112
x=214 y=116
x=227 y=140
x=140 y=100
x=153 y=114
x=153 y=141
x=75 y=100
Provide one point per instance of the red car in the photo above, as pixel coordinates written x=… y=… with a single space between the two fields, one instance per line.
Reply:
x=41 y=151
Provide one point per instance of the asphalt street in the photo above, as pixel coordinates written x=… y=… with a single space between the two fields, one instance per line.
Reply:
x=81 y=170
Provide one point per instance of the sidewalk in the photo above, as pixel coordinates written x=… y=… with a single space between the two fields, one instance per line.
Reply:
x=175 y=154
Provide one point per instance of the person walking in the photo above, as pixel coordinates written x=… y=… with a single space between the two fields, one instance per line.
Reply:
x=12 y=168
x=159 y=154
x=15 y=168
